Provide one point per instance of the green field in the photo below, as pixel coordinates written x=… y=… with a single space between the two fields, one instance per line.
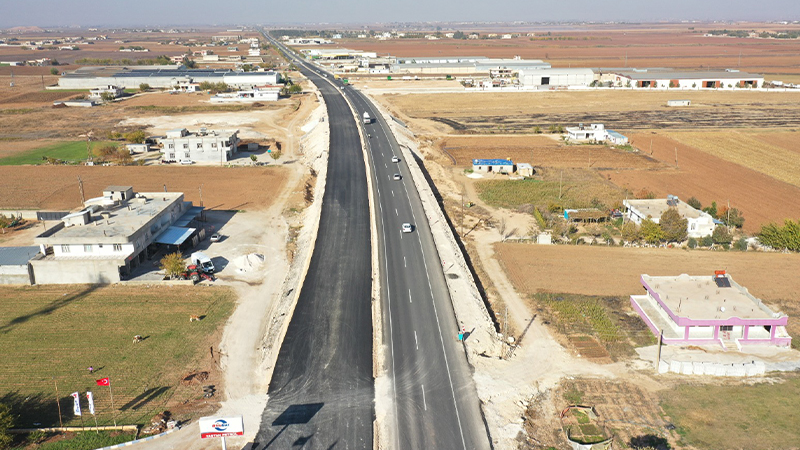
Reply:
x=65 y=151
x=577 y=189
x=761 y=416
x=50 y=335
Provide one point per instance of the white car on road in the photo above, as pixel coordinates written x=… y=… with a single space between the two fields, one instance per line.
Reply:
x=407 y=228
x=395 y=159
x=397 y=176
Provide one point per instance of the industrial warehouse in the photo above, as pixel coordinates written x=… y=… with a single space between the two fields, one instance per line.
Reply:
x=164 y=77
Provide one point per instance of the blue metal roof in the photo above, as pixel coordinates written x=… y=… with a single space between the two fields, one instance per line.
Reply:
x=615 y=134
x=174 y=235
x=17 y=256
x=492 y=162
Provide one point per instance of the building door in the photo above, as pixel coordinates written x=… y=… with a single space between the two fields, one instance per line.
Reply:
x=726 y=331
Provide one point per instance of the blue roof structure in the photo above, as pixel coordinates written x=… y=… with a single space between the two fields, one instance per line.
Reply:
x=174 y=235
x=17 y=256
x=492 y=162
x=615 y=134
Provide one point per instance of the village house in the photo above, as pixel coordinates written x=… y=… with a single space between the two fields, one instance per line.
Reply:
x=699 y=223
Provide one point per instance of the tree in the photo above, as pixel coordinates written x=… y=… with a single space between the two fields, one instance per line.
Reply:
x=721 y=235
x=144 y=87
x=630 y=232
x=694 y=203
x=173 y=265
x=54 y=62
x=734 y=218
x=253 y=158
x=786 y=237
x=741 y=244
x=6 y=422
x=107 y=96
x=53 y=71
x=275 y=155
x=537 y=130
x=674 y=226
x=711 y=209
x=692 y=243
x=136 y=137
x=651 y=232
x=459 y=35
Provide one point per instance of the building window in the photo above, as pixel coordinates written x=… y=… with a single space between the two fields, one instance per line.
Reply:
x=726 y=328
x=64 y=248
x=199 y=145
x=185 y=145
x=172 y=156
x=186 y=154
x=87 y=248
x=117 y=247
x=170 y=145
x=213 y=145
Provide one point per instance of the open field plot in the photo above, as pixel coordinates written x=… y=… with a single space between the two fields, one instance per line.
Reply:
x=760 y=197
x=56 y=187
x=597 y=327
x=543 y=151
x=632 y=413
x=576 y=188
x=56 y=332
x=616 y=271
x=713 y=416
x=65 y=151
x=623 y=109
x=776 y=155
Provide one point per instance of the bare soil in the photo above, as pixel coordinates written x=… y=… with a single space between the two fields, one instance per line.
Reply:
x=56 y=187
x=616 y=271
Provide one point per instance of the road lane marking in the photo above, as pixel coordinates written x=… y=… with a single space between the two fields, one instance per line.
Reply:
x=384 y=165
x=396 y=213
x=392 y=192
x=409 y=298
x=416 y=342
x=404 y=262
x=423 y=398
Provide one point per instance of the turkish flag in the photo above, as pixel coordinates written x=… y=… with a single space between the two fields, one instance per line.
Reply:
x=104 y=382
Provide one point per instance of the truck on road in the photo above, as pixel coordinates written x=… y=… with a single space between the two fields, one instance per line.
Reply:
x=367 y=118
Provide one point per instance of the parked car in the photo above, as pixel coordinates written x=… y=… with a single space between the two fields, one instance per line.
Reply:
x=216 y=237
x=407 y=228
x=187 y=162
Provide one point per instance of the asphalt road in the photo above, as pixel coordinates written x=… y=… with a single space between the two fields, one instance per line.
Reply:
x=322 y=391
x=435 y=401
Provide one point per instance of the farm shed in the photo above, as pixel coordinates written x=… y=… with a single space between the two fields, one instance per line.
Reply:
x=15 y=265
x=525 y=169
x=137 y=148
x=585 y=215
x=708 y=310
x=493 y=165
x=665 y=78
x=679 y=102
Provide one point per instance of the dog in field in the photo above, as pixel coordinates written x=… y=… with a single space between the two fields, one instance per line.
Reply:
x=194 y=318
x=138 y=338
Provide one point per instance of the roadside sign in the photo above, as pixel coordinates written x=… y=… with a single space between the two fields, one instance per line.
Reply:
x=214 y=427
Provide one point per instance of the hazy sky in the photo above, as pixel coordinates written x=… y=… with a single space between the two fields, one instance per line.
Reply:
x=206 y=12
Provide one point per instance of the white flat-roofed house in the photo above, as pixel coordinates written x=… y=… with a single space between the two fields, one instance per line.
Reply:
x=110 y=236
x=594 y=132
x=259 y=94
x=203 y=146
x=700 y=224
x=97 y=93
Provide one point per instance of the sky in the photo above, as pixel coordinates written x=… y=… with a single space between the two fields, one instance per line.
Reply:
x=54 y=13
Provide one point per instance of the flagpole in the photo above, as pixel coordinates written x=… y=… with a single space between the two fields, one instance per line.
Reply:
x=113 y=411
x=58 y=405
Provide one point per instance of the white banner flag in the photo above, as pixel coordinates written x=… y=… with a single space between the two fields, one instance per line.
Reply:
x=90 y=398
x=76 y=404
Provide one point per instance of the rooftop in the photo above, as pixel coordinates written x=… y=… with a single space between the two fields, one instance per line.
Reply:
x=493 y=162
x=165 y=71
x=655 y=207
x=649 y=74
x=699 y=297
x=17 y=256
x=124 y=219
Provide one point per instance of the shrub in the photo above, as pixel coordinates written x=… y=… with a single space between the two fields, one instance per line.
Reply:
x=721 y=235
x=630 y=232
x=692 y=243
x=707 y=241
x=136 y=137
x=694 y=203
x=786 y=237
x=53 y=71
x=144 y=87
x=741 y=244
x=173 y=264
x=651 y=232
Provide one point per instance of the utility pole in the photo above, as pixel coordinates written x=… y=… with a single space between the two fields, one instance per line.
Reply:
x=676 y=157
x=560 y=184
x=58 y=405
x=462 y=210
x=80 y=188
x=201 y=195
x=658 y=357
x=651 y=147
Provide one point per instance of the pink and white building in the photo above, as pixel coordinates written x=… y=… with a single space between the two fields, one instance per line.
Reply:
x=708 y=310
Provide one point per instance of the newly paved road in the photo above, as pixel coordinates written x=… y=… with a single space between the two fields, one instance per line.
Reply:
x=435 y=402
x=322 y=390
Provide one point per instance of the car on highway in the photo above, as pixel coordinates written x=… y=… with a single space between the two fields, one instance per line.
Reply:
x=395 y=159
x=407 y=228
x=397 y=176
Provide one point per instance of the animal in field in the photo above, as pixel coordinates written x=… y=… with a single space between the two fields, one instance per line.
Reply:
x=138 y=338
x=194 y=318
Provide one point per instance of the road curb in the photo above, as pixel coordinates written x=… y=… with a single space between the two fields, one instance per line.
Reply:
x=138 y=441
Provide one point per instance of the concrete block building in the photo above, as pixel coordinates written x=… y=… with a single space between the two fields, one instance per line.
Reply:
x=113 y=234
x=708 y=310
x=665 y=78
x=700 y=224
x=203 y=146
x=595 y=132
x=493 y=165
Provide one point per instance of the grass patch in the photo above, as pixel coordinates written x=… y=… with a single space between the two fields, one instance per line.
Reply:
x=574 y=396
x=89 y=440
x=17 y=111
x=579 y=189
x=743 y=416
x=56 y=332
x=66 y=151
x=604 y=318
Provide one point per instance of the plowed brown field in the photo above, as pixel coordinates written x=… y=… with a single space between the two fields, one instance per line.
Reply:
x=543 y=151
x=709 y=178
x=613 y=271
x=56 y=187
